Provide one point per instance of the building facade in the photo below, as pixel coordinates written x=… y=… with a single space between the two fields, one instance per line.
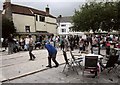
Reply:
x=0 y=27
x=29 y=20
x=64 y=27
x=64 y=24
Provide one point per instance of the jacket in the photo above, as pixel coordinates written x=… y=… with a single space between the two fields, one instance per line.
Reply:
x=51 y=49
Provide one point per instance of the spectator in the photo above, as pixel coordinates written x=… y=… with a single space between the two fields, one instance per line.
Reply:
x=107 y=48
x=62 y=45
x=10 y=44
x=32 y=57
x=26 y=43
x=81 y=42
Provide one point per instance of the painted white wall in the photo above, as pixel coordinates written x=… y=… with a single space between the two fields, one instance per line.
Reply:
x=68 y=25
x=20 y=21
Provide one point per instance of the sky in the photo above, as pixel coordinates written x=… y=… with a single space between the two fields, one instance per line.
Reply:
x=57 y=7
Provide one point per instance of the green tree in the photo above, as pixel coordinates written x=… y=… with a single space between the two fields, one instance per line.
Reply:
x=7 y=27
x=94 y=16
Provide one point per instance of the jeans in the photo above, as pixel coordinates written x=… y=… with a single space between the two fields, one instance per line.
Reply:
x=10 y=47
x=30 y=52
x=53 y=57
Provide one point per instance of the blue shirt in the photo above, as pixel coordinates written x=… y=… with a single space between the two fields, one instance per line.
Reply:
x=51 y=49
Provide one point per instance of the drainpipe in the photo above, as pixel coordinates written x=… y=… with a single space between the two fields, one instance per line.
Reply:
x=35 y=21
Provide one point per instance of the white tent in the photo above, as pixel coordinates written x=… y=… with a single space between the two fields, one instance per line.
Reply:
x=77 y=33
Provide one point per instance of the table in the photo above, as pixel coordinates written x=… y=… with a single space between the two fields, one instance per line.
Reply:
x=115 y=51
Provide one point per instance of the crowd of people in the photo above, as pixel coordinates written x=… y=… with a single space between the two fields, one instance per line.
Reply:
x=63 y=42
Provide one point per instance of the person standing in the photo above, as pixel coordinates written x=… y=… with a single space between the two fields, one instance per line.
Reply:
x=62 y=43
x=107 y=47
x=81 y=42
x=26 y=43
x=32 y=57
x=52 y=52
x=10 y=44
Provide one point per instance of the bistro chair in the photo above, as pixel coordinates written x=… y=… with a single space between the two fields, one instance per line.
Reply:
x=117 y=70
x=68 y=63
x=66 y=60
x=75 y=60
x=90 y=64
x=110 y=63
x=118 y=61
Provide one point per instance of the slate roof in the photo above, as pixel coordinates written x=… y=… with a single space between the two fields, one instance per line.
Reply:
x=28 y=11
x=65 y=19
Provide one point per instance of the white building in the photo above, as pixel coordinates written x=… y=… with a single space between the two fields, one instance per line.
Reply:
x=64 y=24
x=29 y=20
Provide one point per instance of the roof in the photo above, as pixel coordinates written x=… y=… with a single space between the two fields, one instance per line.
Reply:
x=64 y=19
x=28 y=11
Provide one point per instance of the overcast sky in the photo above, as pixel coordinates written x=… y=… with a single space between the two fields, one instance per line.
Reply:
x=57 y=7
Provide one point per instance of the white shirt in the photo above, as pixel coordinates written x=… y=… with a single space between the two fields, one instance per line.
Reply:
x=27 y=40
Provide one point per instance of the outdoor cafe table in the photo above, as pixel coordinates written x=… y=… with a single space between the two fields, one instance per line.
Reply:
x=117 y=52
x=117 y=49
x=82 y=55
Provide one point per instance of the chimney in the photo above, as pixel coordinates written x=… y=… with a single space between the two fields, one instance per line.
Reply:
x=47 y=9
x=7 y=4
x=8 y=9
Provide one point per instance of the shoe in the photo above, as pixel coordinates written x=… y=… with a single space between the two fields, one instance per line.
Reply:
x=34 y=58
x=30 y=59
x=56 y=66
x=49 y=66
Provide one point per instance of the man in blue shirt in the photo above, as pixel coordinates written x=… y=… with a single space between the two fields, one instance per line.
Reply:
x=51 y=55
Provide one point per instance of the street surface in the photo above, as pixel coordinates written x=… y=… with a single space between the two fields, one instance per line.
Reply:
x=16 y=68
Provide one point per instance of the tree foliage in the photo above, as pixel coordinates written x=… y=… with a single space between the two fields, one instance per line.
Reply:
x=94 y=16
x=7 y=27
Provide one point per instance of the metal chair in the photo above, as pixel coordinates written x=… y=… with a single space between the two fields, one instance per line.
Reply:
x=68 y=63
x=66 y=60
x=75 y=60
x=91 y=64
x=110 y=63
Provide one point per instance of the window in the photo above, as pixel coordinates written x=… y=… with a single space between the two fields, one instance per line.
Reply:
x=27 y=28
x=42 y=18
x=36 y=17
x=63 y=30
x=63 y=25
